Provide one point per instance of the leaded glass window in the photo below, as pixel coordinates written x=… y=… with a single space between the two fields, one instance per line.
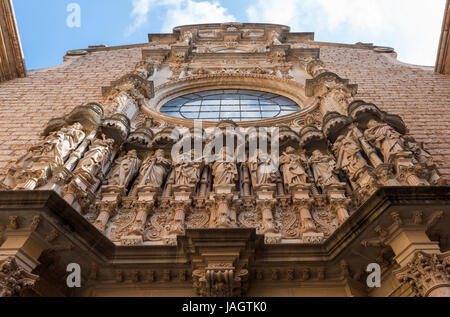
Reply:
x=230 y=104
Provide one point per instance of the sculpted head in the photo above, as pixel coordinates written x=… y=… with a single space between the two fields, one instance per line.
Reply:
x=290 y=150
x=372 y=124
x=159 y=153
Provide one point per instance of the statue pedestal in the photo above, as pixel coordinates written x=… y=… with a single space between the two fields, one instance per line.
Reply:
x=272 y=238
x=313 y=238
x=265 y=200
x=222 y=213
x=264 y=192
x=131 y=240
x=224 y=189
x=181 y=203
x=145 y=204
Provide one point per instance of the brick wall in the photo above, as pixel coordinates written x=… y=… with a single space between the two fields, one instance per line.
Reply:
x=26 y=104
x=419 y=95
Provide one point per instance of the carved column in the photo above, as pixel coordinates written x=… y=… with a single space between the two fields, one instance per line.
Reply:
x=223 y=198
x=107 y=210
x=302 y=203
x=147 y=196
x=367 y=148
x=266 y=202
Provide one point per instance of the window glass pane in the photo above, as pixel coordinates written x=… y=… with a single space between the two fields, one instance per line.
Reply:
x=267 y=107
x=210 y=108
x=193 y=108
x=249 y=102
x=215 y=102
x=233 y=104
x=250 y=108
x=190 y=115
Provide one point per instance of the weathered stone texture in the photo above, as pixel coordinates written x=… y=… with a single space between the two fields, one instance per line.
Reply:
x=26 y=104
x=419 y=95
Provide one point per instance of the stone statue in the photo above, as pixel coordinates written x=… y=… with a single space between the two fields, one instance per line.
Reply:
x=154 y=169
x=324 y=167
x=275 y=38
x=96 y=158
x=125 y=169
x=187 y=38
x=57 y=146
x=385 y=138
x=225 y=170
x=187 y=171
x=348 y=152
x=34 y=168
x=292 y=169
x=423 y=157
x=262 y=171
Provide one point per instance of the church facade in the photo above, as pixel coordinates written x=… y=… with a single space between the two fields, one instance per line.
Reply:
x=226 y=160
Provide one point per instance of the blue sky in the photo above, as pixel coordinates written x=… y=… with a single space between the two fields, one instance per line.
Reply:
x=412 y=27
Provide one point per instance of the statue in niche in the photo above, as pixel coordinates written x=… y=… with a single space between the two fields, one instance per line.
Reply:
x=59 y=145
x=187 y=38
x=292 y=168
x=125 y=169
x=262 y=171
x=324 y=167
x=275 y=38
x=154 y=169
x=187 y=170
x=96 y=158
x=225 y=170
x=348 y=152
x=385 y=138
x=423 y=157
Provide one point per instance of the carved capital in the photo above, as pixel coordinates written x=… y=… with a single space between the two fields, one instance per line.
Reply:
x=428 y=274
x=14 y=280
x=220 y=280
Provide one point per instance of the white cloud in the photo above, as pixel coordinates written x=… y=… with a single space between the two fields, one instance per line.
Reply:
x=412 y=25
x=178 y=12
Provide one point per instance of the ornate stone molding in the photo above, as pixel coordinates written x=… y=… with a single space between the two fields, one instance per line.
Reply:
x=428 y=274
x=14 y=280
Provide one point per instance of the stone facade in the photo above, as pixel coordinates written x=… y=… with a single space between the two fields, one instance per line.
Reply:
x=356 y=184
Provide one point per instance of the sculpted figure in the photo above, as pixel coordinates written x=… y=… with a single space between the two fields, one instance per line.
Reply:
x=275 y=38
x=423 y=157
x=59 y=145
x=154 y=169
x=348 y=152
x=385 y=138
x=34 y=168
x=324 y=167
x=187 y=171
x=262 y=171
x=187 y=38
x=96 y=158
x=125 y=169
x=225 y=170
x=292 y=169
